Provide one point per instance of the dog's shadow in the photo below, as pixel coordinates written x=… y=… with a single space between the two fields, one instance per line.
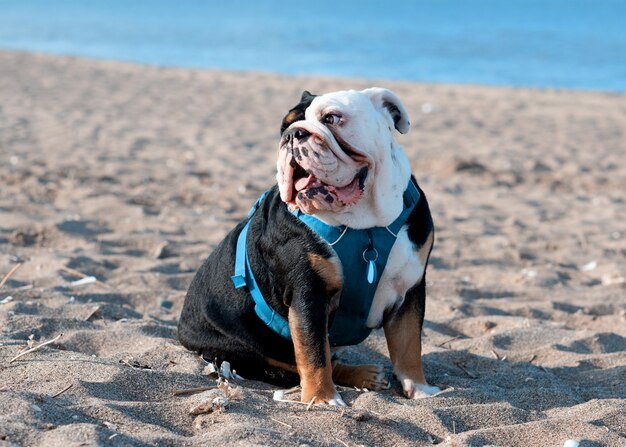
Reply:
x=478 y=379
x=483 y=392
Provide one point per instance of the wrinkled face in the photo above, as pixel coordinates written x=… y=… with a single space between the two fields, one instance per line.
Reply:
x=330 y=147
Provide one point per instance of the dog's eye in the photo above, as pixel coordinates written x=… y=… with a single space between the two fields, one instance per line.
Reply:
x=331 y=118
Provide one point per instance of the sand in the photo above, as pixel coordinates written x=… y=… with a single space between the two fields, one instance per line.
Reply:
x=132 y=174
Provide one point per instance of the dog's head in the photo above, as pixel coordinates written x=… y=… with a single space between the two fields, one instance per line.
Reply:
x=334 y=148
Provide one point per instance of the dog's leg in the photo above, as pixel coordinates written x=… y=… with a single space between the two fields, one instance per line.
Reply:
x=312 y=350
x=403 y=331
x=372 y=377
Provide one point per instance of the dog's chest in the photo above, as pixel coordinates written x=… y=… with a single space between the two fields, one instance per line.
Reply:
x=404 y=269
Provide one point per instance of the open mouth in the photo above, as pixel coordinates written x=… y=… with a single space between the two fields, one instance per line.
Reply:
x=318 y=171
x=305 y=186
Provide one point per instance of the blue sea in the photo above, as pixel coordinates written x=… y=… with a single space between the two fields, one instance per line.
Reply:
x=578 y=44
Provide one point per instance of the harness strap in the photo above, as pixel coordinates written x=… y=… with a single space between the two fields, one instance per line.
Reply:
x=244 y=277
x=241 y=256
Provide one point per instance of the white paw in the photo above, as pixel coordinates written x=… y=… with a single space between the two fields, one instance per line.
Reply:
x=227 y=373
x=424 y=390
x=337 y=401
x=414 y=390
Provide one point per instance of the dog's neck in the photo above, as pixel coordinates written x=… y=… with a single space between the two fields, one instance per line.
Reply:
x=382 y=200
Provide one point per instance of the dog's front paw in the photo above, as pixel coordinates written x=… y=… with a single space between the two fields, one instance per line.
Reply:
x=415 y=390
x=323 y=397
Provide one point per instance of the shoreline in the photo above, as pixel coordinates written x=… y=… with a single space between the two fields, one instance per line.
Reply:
x=323 y=76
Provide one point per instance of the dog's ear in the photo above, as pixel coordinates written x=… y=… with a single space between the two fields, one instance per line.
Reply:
x=390 y=105
x=307 y=96
x=297 y=112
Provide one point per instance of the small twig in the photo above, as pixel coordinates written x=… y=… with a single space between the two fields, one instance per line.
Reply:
x=280 y=422
x=532 y=359
x=74 y=272
x=308 y=407
x=8 y=275
x=126 y=363
x=63 y=390
x=136 y=364
x=83 y=281
x=193 y=390
x=292 y=389
x=36 y=348
x=440 y=345
x=342 y=442
x=454 y=427
x=81 y=275
x=462 y=368
x=495 y=354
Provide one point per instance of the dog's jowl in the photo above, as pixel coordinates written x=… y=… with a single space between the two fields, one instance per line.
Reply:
x=337 y=247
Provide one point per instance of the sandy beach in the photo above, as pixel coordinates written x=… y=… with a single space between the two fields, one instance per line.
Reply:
x=132 y=174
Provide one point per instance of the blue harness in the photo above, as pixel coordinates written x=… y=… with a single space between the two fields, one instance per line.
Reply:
x=363 y=254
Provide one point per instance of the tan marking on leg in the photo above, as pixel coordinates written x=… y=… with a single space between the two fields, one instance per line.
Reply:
x=371 y=377
x=278 y=364
x=425 y=248
x=404 y=340
x=329 y=269
x=316 y=382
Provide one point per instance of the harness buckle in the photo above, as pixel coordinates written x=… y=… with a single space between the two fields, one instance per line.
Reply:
x=239 y=281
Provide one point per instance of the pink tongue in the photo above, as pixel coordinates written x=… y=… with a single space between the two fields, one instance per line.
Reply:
x=349 y=194
x=303 y=182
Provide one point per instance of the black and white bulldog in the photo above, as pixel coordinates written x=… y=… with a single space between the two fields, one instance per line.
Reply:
x=339 y=162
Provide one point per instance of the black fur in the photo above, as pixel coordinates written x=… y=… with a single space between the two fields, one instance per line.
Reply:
x=297 y=113
x=420 y=221
x=394 y=111
x=219 y=321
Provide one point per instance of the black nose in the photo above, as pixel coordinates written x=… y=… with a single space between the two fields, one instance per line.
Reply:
x=301 y=134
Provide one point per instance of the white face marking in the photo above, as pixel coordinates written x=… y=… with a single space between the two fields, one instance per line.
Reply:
x=361 y=124
x=361 y=120
x=404 y=269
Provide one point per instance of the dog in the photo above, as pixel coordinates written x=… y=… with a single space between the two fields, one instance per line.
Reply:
x=337 y=247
